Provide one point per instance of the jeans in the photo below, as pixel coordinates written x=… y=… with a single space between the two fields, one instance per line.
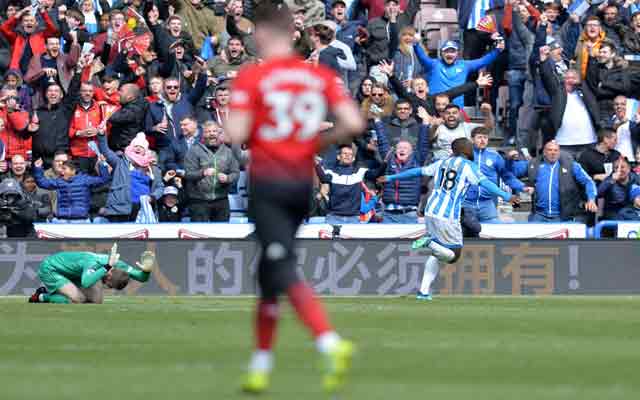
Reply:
x=333 y=219
x=484 y=210
x=516 y=79
x=535 y=217
x=410 y=217
x=70 y=221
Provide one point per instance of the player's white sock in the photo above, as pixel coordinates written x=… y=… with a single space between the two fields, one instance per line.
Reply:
x=261 y=361
x=442 y=253
x=327 y=342
x=431 y=269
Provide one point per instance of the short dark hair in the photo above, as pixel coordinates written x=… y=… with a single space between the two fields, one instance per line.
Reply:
x=480 y=130
x=119 y=279
x=402 y=100
x=70 y=164
x=459 y=146
x=342 y=146
x=604 y=133
x=275 y=15
x=610 y=45
x=452 y=105
x=235 y=37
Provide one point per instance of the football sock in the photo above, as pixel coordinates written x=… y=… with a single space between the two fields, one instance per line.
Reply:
x=309 y=309
x=267 y=314
x=327 y=341
x=261 y=361
x=54 y=298
x=431 y=269
x=442 y=253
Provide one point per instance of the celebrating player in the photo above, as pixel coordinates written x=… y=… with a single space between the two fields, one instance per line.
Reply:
x=452 y=178
x=76 y=277
x=277 y=107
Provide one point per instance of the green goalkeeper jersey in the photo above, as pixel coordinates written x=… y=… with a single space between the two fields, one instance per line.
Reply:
x=87 y=268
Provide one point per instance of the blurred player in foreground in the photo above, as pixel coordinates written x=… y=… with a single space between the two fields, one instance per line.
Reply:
x=79 y=277
x=452 y=178
x=277 y=107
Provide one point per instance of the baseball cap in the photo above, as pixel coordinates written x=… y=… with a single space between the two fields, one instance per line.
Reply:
x=336 y=2
x=449 y=44
x=170 y=190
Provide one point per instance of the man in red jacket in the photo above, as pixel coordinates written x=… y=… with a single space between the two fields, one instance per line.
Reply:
x=25 y=41
x=14 y=123
x=87 y=118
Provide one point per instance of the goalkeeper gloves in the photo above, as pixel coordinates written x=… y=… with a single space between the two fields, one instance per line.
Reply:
x=147 y=261
x=113 y=257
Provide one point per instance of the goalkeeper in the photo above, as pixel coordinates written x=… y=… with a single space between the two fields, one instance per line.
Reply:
x=79 y=277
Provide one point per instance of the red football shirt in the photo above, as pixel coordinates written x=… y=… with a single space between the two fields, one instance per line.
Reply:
x=288 y=100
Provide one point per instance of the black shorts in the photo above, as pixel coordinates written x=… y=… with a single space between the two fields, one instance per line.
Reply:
x=278 y=209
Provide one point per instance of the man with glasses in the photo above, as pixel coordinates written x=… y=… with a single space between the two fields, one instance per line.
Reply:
x=163 y=116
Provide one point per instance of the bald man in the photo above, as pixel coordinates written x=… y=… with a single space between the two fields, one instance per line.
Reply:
x=128 y=120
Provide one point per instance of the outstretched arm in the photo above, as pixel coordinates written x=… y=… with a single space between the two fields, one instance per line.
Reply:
x=494 y=189
x=410 y=173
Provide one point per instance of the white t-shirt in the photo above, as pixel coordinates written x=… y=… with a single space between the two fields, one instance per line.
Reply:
x=624 y=146
x=446 y=136
x=576 y=127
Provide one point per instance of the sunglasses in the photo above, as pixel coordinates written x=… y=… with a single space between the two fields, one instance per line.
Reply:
x=377 y=94
x=172 y=87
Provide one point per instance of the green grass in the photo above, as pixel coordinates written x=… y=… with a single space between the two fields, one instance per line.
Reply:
x=157 y=348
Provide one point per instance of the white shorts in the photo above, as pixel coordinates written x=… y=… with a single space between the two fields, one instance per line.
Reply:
x=444 y=232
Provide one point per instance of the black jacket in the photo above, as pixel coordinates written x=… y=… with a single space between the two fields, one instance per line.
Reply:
x=559 y=96
x=53 y=131
x=126 y=123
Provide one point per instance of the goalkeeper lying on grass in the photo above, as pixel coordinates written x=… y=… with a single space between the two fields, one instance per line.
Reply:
x=78 y=277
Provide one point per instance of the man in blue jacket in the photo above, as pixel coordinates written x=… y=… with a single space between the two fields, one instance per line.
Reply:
x=449 y=71
x=73 y=191
x=346 y=180
x=479 y=205
x=555 y=178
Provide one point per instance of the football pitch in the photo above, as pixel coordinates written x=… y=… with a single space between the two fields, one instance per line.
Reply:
x=181 y=348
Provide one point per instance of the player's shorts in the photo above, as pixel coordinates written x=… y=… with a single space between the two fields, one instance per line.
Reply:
x=50 y=278
x=444 y=232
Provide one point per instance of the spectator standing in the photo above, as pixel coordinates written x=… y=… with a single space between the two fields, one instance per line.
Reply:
x=163 y=117
x=211 y=170
x=453 y=128
x=13 y=123
x=200 y=22
x=49 y=126
x=175 y=155
x=402 y=124
x=230 y=60
x=133 y=177
x=73 y=191
x=574 y=109
x=17 y=169
x=449 y=71
x=379 y=104
x=27 y=41
x=127 y=121
x=52 y=67
x=382 y=41
x=555 y=177
x=628 y=129
x=480 y=206
x=345 y=182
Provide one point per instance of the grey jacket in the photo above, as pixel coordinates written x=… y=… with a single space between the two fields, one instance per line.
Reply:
x=199 y=158
x=119 y=198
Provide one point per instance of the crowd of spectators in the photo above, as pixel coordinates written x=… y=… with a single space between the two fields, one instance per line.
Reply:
x=114 y=110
